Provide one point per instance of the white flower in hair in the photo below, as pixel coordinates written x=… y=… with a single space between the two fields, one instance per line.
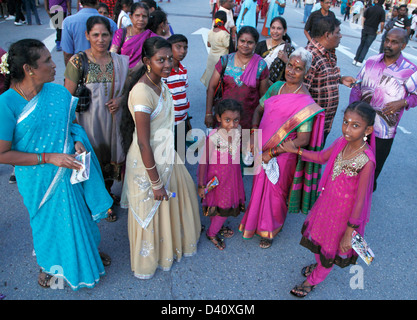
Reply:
x=4 y=66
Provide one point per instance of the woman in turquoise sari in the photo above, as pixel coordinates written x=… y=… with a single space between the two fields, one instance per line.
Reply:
x=38 y=135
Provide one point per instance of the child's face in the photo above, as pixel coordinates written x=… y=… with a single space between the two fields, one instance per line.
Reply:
x=179 y=50
x=229 y=120
x=103 y=11
x=354 y=127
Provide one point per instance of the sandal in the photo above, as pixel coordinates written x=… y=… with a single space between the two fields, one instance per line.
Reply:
x=105 y=258
x=302 y=290
x=265 y=243
x=111 y=215
x=306 y=271
x=226 y=232
x=44 y=279
x=217 y=242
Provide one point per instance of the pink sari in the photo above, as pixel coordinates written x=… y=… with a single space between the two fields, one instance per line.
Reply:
x=130 y=46
x=344 y=197
x=283 y=115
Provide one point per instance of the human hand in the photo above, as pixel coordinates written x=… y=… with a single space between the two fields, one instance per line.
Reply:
x=346 y=242
x=283 y=56
x=209 y=121
x=79 y=147
x=201 y=193
x=113 y=105
x=160 y=194
x=288 y=146
x=266 y=157
x=63 y=160
x=348 y=81
x=393 y=107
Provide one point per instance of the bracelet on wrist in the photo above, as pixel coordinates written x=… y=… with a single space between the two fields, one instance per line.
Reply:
x=201 y=187
x=354 y=226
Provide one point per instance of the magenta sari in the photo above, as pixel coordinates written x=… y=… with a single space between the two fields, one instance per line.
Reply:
x=283 y=115
x=130 y=46
x=345 y=197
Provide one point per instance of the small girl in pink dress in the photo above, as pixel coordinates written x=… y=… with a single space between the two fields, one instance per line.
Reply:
x=221 y=159
x=345 y=199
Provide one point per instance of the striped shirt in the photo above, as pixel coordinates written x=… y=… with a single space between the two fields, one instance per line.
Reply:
x=323 y=81
x=177 y=83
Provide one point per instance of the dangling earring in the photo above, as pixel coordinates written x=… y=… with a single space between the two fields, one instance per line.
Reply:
x=365 y=138
x=149 y=68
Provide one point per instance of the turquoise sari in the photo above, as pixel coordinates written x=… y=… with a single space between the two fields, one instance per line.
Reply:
x=63 y=216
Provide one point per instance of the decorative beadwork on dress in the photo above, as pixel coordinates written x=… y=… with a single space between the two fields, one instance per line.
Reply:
x=220 y=140
x=350 y=167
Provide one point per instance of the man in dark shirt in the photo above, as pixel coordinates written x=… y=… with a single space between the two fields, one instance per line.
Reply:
x=372 y=17
x=316 y=15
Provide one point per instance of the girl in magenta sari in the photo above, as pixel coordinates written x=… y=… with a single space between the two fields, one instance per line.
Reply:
x=245 y=78
x=345 y=200
x=290 y=115
x=129 y=41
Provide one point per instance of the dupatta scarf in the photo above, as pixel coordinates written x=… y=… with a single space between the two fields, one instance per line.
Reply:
x=131 y=46
x=137 y=192
x=46 y=125
x=287 y=112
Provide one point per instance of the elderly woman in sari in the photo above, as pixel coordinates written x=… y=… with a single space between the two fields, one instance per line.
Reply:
x=286 y=112
x=38 y=135
x=129 y=41
x=245 y=77
x=106 y=76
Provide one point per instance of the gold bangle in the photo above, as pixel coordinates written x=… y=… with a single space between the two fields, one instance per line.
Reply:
x=270 y=153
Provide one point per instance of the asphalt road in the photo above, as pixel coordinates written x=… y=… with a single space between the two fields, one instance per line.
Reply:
x=243 y=271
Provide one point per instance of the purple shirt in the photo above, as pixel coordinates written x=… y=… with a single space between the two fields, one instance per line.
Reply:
x=62 y=3
x=382 y=84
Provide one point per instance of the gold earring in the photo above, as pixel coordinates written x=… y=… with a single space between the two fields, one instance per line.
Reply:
x=149 y=68
x=31 y=73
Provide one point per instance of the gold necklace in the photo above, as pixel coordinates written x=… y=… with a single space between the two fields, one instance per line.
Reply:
x=240 y=61
x=159 y=87
x=350 y=155
x=296 y=90
x=20 y=91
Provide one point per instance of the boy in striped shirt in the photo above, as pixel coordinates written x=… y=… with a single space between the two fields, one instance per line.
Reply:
x=177 y=83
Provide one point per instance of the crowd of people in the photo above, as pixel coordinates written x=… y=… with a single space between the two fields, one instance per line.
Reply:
x=125 y=102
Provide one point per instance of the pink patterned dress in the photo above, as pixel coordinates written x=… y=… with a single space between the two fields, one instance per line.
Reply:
x=221 y=158
x=346 y=190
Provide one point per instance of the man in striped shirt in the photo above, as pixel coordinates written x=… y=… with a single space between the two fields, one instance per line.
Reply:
x=177 y=83
x=324 y=76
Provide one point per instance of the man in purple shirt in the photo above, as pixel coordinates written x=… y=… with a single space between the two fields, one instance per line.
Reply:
x=57 y=11
x=387 y=86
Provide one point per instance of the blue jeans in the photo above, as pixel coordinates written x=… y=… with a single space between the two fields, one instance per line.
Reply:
x=366 y=41
x=307 y=11
x=30 y=6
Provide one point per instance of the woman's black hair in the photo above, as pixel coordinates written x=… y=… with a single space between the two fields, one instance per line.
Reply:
x=25 y=51
x=93 y=20
x=127 y=126
x=249 y=29
x=363 y=109
x=137 y=5
x=155 y=19
x=151 y=4
x=283 y=22
x=228 y=105
x=118 y=7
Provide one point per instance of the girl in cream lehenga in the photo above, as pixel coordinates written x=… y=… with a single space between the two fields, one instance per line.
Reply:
x=161 y=228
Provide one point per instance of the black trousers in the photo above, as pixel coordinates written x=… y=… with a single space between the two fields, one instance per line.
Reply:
x=383 y=148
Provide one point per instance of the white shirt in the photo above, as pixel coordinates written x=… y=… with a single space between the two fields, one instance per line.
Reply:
x=123 y=20
x=230 y=23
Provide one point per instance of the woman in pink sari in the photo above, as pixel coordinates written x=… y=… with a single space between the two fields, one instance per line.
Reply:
x=345 y=196
x=129 y=41
x=290 y=115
